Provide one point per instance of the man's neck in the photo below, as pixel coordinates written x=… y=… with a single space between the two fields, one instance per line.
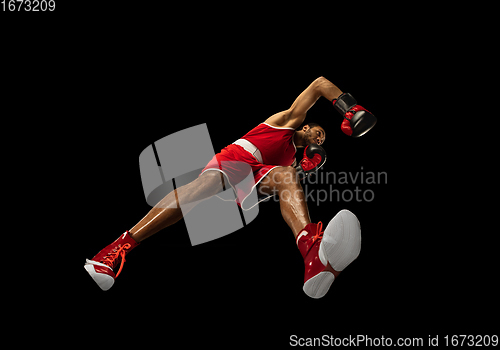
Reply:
x=298 y=139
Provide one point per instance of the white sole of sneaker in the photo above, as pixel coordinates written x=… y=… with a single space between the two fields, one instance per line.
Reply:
x=341 y=241
x=340 y=246
x=104 y=281
x=317 y=286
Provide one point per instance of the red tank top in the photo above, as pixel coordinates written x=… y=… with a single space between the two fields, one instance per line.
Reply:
x=275 y=144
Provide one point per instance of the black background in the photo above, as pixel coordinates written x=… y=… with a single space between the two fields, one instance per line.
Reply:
x=104 y=85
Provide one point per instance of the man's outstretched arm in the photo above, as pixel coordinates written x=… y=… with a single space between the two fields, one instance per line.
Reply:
x=295 y=115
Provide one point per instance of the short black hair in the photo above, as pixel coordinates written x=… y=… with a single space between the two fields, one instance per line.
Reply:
x=312 y=125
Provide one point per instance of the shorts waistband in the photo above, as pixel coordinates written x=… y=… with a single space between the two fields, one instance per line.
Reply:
x=250 y=148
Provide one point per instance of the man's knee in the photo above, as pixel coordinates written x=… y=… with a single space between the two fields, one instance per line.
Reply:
x=290 y=171
x=278 y=179
x=286 y=176
x=210 y=182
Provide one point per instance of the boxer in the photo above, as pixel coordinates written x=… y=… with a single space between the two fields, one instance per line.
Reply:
x=269 y=149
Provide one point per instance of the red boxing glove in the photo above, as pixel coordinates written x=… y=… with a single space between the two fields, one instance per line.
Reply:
x=357 y=120
x=346 y=124
x=309 y=164
x=314 y=158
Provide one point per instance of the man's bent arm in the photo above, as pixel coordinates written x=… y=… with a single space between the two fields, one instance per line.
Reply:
x=296 y=114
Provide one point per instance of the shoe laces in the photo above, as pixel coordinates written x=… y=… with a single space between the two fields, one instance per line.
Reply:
x=110 y=259
x=319 y=232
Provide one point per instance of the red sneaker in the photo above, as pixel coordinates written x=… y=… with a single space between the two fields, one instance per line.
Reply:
x=327 y=253
x=101 y=267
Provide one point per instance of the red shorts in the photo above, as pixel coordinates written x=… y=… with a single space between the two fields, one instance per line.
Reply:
x=242 y=170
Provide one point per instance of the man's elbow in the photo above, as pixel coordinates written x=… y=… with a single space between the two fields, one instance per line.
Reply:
x=320 y=81
x=325 y=88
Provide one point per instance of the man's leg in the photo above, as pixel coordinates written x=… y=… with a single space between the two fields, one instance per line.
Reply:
x=168 y=211
x=324 y=259
x=283 y=181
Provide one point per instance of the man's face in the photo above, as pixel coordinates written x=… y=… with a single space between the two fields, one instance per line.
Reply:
x=314 y=135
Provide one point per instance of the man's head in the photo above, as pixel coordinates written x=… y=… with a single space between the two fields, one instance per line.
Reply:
x=313 y=133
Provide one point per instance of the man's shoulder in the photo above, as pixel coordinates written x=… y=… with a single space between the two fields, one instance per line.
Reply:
x=280 y=120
